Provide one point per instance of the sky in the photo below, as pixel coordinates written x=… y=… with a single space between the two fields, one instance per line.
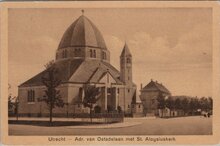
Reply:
x=170 y=45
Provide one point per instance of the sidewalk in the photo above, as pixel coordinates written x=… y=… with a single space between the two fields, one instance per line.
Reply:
x=45 y=119
x=106 y=126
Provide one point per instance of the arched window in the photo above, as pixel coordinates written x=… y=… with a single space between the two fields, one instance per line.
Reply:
x=103 y=53
x=65 y=53
x=94 y=53
x=128 y=60
x=28 y=97
x=77 y=52
x=91 y=55
x=31 y=96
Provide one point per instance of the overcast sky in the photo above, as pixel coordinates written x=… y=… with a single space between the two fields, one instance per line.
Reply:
x=170 y=45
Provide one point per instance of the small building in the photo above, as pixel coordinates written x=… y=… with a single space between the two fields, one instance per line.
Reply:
x=136 y=107
x=149 y=95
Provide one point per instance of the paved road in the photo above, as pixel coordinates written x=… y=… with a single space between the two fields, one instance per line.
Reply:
x=174 y=126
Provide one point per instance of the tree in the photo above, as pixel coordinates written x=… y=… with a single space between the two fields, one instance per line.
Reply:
x=16 y=103
x=161 y=102
x=204 y=104
x=177 y=104
x=11 y=104
x=184 y=104
x=92 y=95
x=210 y=103
x=52 y=94
x=170 y=104
x=119 y=109
x=193 y=104
x=10 y=100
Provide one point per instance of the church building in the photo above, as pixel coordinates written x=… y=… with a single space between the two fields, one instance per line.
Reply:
x=82 y=57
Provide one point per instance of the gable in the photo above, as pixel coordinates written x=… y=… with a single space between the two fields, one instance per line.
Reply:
x=77 y=71
x=107 y=78
x=92 y=71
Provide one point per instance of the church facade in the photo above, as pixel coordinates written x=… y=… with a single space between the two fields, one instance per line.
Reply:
x=82 y=58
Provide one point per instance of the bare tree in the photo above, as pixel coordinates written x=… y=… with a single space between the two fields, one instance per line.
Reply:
x=52 y=94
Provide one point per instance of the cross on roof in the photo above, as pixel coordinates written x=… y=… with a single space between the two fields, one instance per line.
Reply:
x=82 y=11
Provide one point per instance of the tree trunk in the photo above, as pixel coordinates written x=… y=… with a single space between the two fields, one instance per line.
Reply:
x=91 y=114
x=16 y=109
x=51 y=114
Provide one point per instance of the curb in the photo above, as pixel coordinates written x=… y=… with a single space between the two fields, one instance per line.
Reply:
x=106 y=126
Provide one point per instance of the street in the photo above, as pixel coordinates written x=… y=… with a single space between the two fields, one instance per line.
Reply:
x=195 y=125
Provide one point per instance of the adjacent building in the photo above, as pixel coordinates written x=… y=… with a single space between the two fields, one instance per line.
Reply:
x=149 y=95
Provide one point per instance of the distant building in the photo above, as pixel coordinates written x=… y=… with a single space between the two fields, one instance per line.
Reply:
x=82 y=58
x=149 y=95
x=137 y=109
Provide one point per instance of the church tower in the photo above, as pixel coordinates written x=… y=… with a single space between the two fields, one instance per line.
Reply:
x=126 y=66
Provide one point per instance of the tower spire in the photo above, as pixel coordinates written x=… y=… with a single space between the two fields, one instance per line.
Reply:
x=125 y=51
x=126 y=65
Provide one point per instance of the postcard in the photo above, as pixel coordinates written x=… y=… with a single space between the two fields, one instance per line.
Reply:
x=120 y=72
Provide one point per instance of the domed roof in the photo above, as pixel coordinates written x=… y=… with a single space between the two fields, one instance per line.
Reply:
x=82 y=33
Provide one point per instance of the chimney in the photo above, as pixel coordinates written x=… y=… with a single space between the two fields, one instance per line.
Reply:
x=141 y=86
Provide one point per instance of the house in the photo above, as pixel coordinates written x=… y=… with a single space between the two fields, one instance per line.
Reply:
x=149 y=95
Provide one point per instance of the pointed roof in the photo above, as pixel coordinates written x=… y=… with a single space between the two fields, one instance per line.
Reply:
x=155 y=86
x=125 y=51
x=101 y=72
x=82 y=33
x=77 y=71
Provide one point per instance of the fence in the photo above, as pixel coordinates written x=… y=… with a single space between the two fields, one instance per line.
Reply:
x=85 y=117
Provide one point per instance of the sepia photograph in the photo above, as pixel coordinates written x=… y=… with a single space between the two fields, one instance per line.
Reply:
x=93 y=71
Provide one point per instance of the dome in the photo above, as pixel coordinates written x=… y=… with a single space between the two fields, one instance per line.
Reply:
x=82 y=33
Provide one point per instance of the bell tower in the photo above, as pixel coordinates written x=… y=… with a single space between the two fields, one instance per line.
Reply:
x=126 y=65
